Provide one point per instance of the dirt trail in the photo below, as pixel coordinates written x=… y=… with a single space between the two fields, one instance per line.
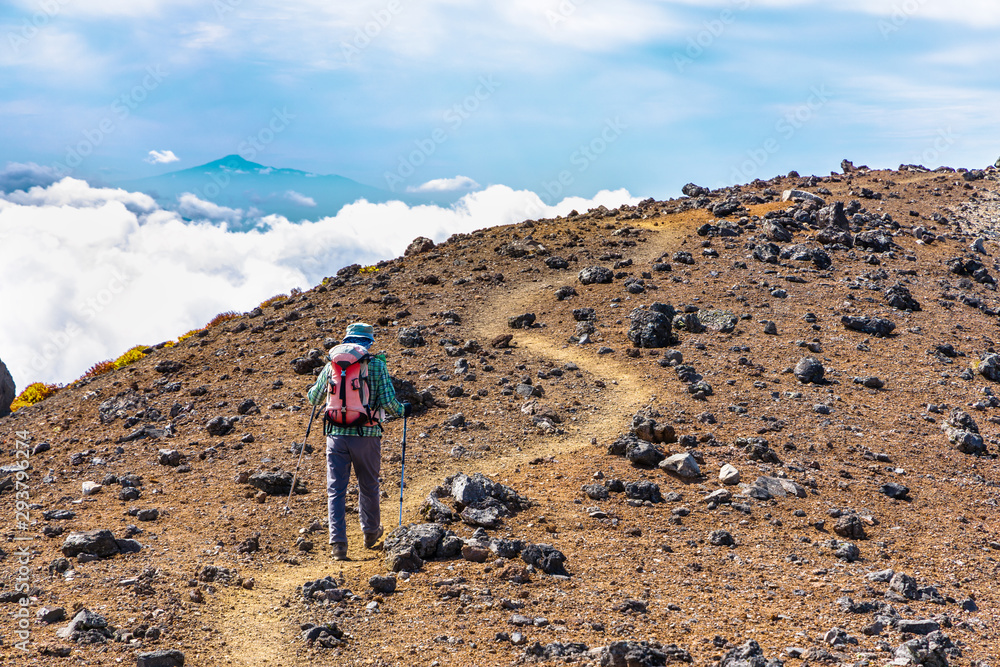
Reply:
x=253 y=623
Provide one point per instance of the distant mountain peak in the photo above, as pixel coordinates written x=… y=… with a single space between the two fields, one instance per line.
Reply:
x=234 y=162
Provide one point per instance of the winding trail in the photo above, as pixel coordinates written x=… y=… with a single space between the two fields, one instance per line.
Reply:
x=254 y=625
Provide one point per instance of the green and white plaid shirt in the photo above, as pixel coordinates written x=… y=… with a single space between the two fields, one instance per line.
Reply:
x=382 y=396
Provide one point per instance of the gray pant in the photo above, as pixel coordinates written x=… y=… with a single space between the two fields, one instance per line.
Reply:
x=366 y=455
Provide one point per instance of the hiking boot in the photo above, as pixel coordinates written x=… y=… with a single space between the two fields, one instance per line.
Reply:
x=372 y=538
x=339 y=551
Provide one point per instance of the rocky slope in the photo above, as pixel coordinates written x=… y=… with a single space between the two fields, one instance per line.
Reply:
x=745 y=425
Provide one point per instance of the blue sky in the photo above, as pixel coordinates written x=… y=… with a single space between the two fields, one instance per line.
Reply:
x=509 y=110
x=638 y=95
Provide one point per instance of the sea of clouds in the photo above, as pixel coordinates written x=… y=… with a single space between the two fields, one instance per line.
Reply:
x=87 y=272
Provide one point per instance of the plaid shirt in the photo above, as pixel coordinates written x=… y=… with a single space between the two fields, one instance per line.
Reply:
x=382 y=396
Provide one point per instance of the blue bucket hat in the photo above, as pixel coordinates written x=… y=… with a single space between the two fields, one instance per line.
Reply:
x=361 y=330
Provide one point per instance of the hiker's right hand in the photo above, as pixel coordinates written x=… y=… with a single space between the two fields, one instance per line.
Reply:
x=407 y=409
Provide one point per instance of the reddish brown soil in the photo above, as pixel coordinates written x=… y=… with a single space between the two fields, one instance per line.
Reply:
x=778 y=585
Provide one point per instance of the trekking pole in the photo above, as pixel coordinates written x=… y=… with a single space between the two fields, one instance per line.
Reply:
x=302 y=448
x=402 y=474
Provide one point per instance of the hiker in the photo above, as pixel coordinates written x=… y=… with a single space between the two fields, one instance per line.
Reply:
x=355 y=440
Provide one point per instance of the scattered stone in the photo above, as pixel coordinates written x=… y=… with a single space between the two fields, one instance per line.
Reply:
x=419 y=245
x=729 y=475
x=220 y=426
x=644 y=491
x=170 y=457
x=809 y=370
x=917 y=627
x=99 y=543
x=898 y=296
x=722 y=321
x=305 y=365
x=412 y=337
x=683 y=465
x=850 y=526
x=928 y=651
x=546 y=558
x=721 y=538
x=652 y=328
x=521 y=321
x=276 y=483
x=874 y=326
x=595 y=275
x=169 y=658
x=894 y=490
x=327 y=635
x=384 y=585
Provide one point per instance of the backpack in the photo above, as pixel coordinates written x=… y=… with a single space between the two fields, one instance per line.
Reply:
x=349 y=392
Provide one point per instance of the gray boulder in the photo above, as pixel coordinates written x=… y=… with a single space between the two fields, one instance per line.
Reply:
x=84 y=620
x=683 y=465
x=652 y=328
x=100 y=543
x=170 y=658
x=832 y=216
x=918 y=626
x=775 y=231
x=644 y=454
x=809 y=370
x=276 y=483
x=989 y=367
x=419 y=245
x=722 y=321
x=7 y=390
x=963 y=433
x=748 y=654
x=595 y=275
x=546 y=558
x=875 y=326
x=898 y=296
x=928 y=651
x=874 y=240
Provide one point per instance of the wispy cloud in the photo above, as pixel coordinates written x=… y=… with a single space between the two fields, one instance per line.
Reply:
x=161 y=157
x=445 y=185
x=190 y=206
x=299 y=198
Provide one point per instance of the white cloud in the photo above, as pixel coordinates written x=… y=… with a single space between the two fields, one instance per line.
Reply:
x=190 y=206
x=17 y=176
x=74 y=193
x=204 y=35
x=94 y=259
x=299 y=198
x=161 y=157
x=445 y=185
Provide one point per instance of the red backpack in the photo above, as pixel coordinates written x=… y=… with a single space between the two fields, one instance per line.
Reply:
x=349 y=391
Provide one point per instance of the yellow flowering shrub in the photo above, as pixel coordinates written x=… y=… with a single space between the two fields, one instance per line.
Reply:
x=130 y=357
x=33 y=393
